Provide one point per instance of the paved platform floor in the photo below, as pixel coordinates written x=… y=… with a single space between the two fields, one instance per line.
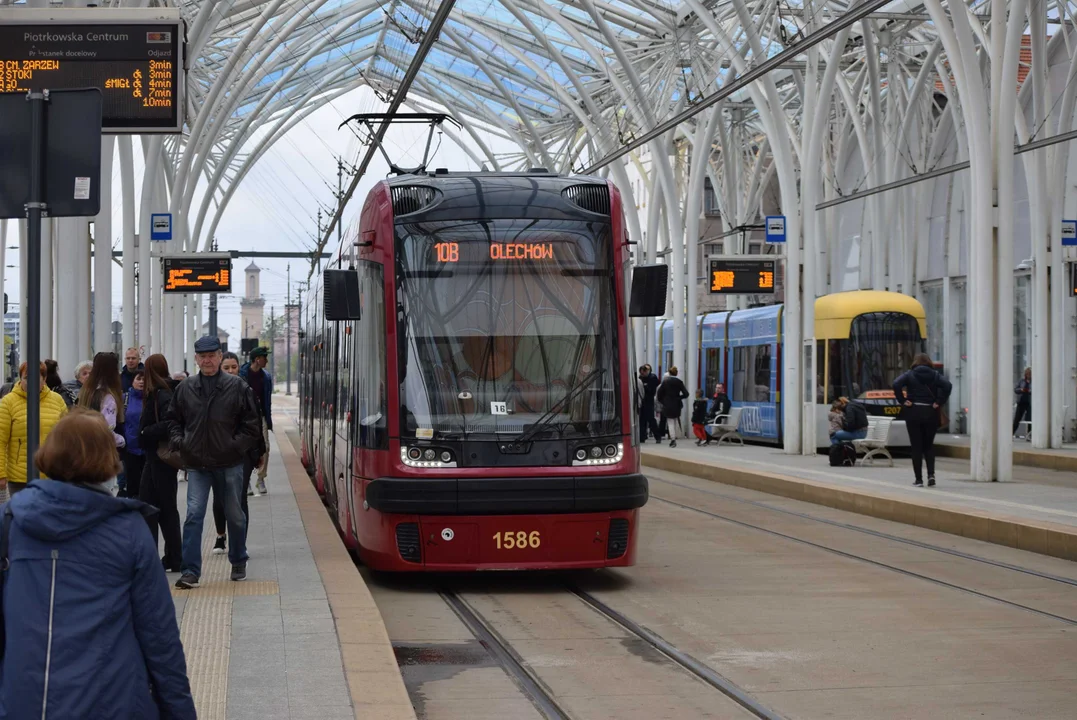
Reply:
x=1037 y=494
x=266 y=648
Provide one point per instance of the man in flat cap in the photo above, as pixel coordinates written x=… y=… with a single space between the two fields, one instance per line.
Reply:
x=215 y=422
x=261 y=383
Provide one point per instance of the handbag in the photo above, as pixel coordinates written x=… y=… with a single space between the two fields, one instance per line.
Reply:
x=166 y=454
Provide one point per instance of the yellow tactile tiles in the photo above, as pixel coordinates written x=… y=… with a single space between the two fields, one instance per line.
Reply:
x=206 y=632
x=374 y=682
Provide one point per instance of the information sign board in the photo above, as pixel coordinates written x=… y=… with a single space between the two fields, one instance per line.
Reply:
x=133 y=56
x=197 y=273
x=741 y=277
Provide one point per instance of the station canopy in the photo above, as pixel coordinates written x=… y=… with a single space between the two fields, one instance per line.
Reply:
x=561 y=81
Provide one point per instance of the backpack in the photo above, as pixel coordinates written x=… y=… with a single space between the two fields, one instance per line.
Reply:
x=842 y=455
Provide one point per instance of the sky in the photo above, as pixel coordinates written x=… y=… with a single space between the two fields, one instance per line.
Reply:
x=276 y=205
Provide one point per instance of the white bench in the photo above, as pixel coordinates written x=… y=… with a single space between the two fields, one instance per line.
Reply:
x=1024 y=430
x=725 y=427
x=874 y=444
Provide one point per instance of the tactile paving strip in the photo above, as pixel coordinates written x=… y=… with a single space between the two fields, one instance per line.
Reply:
x=206 y=631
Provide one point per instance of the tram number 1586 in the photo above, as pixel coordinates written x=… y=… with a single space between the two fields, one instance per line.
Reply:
x=519 y=540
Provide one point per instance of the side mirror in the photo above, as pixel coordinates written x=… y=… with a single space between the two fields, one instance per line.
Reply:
x=341 y=298
x=648 y=294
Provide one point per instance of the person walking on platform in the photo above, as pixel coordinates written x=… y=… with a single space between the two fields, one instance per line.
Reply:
x=13 y=428
x=647 y=419
x=52 y=379
x=261 y=383
x=132 y=364
x=89 y=625
x=159 y=486
x=214 y=425
x=1023 y=390
x=924 y=390
x=134 y=459
x=82 y=374
x=257 y=455
x=671 y=396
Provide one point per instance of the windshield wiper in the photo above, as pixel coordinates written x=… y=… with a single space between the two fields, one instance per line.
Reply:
x=547 y=417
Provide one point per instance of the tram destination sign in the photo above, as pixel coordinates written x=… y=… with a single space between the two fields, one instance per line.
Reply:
x=134 y=57
x=204 y=273
x=742 y=277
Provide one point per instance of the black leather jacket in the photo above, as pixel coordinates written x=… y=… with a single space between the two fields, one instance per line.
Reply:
x=216 y=430
x=922 y=385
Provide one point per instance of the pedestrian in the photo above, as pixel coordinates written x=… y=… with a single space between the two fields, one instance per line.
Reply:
x=52 y=379
x=1023 y=390
x=13 y=428
x=261 y=383
x=159 y=486
x=90 y=628
x=699 y=418
x=925 y=390
x=721 y=404
x=671 y=395
x=134 y=459
x=215 y=423
x=132 y=363
x=258 y=454
x=82 y=373
x=647 y=419
x=102 y=391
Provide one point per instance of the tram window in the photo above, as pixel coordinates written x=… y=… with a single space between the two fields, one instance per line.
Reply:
x=369 y=400
x=751 y=374
x=880 y=347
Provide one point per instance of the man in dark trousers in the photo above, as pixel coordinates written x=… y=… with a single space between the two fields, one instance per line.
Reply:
x=215 y=423
x=261 y=383
x=647 y=420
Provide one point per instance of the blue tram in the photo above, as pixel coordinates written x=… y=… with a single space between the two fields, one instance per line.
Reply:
x=865 y=339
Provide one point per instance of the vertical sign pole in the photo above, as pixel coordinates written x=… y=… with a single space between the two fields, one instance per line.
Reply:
x=288 y=336
x=34 y=209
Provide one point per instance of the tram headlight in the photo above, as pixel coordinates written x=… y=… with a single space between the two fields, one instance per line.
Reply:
x=600 y=454
x=426 y=457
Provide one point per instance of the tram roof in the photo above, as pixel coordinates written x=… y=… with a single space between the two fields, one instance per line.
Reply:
x=834 y=314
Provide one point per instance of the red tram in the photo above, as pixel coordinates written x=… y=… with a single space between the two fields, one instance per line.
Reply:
x=467 y=380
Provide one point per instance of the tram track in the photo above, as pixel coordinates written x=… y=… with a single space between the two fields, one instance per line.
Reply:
x=544 y=698
x=870 y=561
x=874 y=533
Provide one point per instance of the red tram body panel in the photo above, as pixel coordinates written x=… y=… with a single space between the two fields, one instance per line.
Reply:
x=479 y=412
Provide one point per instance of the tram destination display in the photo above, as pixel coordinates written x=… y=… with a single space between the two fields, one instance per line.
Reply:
x=742 y=277
x=194 y=274
x=137 y=64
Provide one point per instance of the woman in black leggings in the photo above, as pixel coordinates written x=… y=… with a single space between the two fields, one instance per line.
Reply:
x=923 y=390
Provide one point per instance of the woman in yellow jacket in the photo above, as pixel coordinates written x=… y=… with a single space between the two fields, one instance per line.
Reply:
x=13 y=428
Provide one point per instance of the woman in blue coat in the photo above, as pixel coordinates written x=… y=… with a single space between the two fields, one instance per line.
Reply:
x=89 y=620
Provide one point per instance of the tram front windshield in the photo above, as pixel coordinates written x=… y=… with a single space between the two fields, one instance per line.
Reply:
x=498 y=320
x=880 y=347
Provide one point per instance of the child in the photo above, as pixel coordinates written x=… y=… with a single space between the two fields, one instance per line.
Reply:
x=699 y=417
x=836 y=417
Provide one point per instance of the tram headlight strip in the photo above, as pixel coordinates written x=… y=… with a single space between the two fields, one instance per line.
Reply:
x=426 y=457
x=599 y=455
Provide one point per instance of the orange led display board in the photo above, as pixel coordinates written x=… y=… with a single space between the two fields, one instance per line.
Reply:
x=194 y=274
x=741 y=277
